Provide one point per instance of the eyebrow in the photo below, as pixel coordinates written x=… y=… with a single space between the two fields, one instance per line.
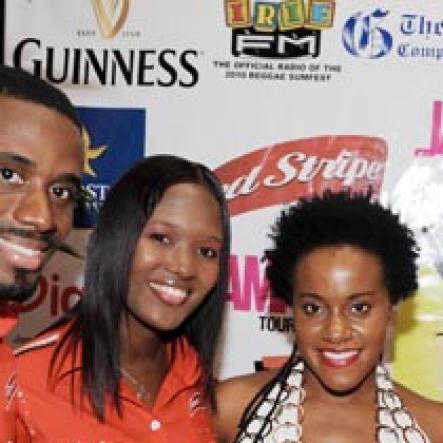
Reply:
x=361 y=294
x=25 y=161
x=169 y=225
x=350 y=297
x=69 y=178
x=217 y=240
x=11 y=156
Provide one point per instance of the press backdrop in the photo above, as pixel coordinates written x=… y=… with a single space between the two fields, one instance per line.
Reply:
x=282 y=99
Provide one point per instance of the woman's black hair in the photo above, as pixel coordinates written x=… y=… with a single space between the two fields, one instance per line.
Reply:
x=94 y=333
x=342 y=218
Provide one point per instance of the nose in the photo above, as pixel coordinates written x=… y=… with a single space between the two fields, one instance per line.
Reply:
x=34 y=209
x=338 y=328
x=182 y=262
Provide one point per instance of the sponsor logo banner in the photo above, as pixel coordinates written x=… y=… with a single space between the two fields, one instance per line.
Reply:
x=435 y=146
x=363 y=36
x=114 y=139
x=378 y=33
x=268 y=37
x=284 y=172
x=101 y=45
x=288 y=29
x=111 y=15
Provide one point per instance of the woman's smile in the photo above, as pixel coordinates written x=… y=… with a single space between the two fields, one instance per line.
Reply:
x=342 y=311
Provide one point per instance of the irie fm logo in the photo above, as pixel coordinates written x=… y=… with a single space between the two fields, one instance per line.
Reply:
x=285 y=29
x=111 y=15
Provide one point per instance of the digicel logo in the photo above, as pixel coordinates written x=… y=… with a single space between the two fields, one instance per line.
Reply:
x=60 y=298
x=284 y=172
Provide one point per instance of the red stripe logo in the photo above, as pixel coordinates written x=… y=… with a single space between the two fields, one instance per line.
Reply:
x=284 y=172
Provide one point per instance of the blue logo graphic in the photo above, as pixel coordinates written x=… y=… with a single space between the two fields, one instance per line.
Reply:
x=114 y=139
x=363 y=37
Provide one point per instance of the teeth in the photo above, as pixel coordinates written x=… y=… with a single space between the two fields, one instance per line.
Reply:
x=339 y=355
x=20 y=249
x=169 y=290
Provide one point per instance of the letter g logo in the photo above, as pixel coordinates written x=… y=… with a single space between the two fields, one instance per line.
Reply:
x=362 y=37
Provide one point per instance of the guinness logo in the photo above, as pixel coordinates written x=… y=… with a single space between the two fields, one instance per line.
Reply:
x=111 y=15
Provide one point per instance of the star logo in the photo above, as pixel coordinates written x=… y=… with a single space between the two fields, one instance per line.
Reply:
x=91 y=153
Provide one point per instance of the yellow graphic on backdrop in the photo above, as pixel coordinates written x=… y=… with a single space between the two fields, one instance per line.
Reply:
x=90 y=153
x=111 y=15
x=418 y=346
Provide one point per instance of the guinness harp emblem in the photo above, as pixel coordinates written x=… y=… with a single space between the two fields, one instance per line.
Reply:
x=111 y=15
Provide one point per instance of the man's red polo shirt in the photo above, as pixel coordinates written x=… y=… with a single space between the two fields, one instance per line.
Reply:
x=8 y=380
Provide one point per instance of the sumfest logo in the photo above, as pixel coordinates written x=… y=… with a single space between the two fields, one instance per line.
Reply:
x=287 y=29
x=280 y=174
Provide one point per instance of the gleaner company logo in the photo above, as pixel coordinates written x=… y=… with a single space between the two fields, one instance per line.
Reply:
x=408 y=35
x=363 y=35
x=288 y=29
x=111 y=15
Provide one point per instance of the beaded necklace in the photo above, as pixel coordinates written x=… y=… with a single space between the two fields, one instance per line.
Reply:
x=278 y=417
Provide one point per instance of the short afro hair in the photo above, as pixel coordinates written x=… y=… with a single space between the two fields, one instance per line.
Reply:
x=342 y=218
x=22 y=85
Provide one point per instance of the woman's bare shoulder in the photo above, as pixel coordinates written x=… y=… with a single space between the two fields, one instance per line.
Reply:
x=233 y=395
x=428 y=413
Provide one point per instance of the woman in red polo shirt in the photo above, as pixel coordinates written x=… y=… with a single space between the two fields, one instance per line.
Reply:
x=135 y=362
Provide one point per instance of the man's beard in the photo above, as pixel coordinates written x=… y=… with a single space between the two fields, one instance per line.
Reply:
x=23 y=286
x=20 y=290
